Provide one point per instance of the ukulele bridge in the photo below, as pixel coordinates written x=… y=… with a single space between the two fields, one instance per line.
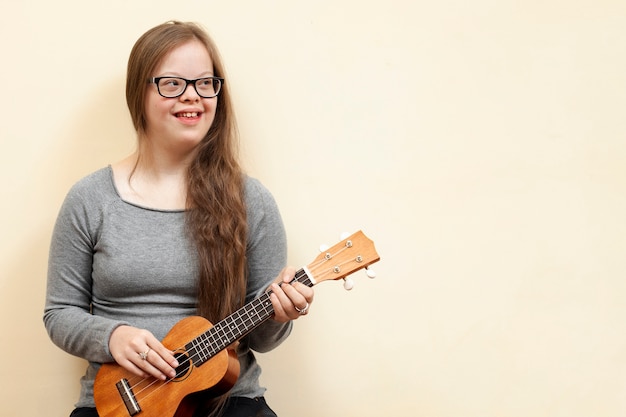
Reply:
x=128 y=397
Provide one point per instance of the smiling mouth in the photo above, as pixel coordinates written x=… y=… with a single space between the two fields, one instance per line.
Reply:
x=188 y=115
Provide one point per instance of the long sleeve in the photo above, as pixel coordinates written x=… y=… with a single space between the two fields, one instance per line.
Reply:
x=267 y=256
x=67 y=314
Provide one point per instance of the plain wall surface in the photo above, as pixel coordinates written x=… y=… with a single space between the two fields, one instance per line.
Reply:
x=481 y=145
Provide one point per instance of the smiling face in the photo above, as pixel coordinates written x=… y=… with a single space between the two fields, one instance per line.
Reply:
x=179 y=124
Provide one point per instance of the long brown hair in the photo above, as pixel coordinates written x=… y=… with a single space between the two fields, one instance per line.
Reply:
x=216 y=212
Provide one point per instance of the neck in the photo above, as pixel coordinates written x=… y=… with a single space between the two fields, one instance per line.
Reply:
x=159 y=162
x=154 y=180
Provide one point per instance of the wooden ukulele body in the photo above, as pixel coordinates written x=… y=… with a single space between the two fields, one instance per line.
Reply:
x=178 y=397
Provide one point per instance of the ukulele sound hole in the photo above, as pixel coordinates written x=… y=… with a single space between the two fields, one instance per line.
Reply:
x=184 y=366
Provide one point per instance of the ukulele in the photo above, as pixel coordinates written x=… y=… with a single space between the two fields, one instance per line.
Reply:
x=206 y=367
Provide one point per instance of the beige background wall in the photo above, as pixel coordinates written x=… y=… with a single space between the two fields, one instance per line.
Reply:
x=480 y=144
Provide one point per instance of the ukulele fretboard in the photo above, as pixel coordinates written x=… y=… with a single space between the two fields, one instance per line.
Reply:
x=236 y=325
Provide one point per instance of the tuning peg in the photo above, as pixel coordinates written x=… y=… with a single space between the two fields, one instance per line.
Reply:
x=344 y=235
x=348 y=284
x=324 y=247
x=370 y=273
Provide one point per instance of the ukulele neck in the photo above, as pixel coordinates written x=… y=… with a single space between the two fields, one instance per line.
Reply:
x=236 y=325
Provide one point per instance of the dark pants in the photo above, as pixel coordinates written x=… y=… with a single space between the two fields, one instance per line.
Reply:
x=235 y=407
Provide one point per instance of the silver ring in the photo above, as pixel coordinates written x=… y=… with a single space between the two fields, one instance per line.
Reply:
x=144 y=355
x=302 y=310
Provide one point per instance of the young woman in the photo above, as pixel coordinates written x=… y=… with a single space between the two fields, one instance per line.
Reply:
x=173 y=230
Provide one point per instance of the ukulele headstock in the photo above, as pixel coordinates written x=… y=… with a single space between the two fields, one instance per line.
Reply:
x=344 y=258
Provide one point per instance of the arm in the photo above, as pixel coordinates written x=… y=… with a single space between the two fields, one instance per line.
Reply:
x=267 y=256
x=67 y=315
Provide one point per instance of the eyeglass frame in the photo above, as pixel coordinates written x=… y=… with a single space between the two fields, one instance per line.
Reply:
x=155 y=81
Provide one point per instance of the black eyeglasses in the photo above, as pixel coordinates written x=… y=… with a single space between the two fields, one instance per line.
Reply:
x=171 y=87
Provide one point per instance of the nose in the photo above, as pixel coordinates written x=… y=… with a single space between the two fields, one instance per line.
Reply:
x=190 y=93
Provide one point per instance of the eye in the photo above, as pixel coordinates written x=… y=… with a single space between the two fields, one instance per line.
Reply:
x=170 y=82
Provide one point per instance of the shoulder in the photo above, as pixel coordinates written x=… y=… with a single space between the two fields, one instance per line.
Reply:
x=91 y=193
x=262 y=210
x=255 y=190
x=84 y=205
x=98 y=184
x=259 y=200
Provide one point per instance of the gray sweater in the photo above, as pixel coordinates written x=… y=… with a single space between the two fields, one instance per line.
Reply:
x=113 y=263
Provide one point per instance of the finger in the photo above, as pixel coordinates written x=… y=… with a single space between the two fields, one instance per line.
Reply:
x=306 y=291
x=155 y=366
x=164 y=353
x=297 y=295
x=130 y=365
x=303 y=291
x=279 y=312
x=158 y=361
x=288 y=274
x=285 y=309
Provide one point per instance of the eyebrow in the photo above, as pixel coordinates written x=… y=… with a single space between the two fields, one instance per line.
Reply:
x=177 y=75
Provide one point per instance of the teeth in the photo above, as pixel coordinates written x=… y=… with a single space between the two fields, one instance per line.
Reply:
x=189 y=114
